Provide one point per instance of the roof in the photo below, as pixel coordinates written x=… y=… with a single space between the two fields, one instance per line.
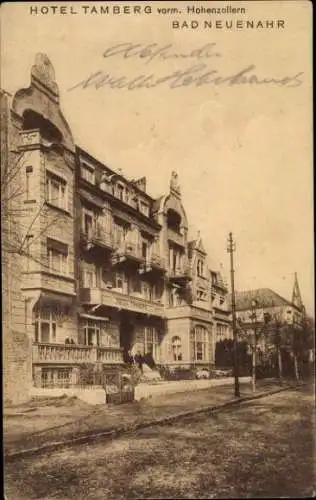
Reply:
x=265 y=297
x=218 y=281
x=197 y=244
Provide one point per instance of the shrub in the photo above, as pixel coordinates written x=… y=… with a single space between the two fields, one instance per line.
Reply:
x=133 y=372
x=178 y=373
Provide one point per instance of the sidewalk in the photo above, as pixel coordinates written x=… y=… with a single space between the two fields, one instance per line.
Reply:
x=46 y=423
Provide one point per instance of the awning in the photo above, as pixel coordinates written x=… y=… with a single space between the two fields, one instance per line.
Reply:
x=90 y=316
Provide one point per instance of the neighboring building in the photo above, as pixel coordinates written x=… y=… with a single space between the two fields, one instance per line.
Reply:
x=264 y=302
x=103 y=268
x=222 y=313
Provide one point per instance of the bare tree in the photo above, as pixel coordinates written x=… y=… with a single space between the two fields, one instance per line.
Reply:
x=295 y=338
x=16 y=222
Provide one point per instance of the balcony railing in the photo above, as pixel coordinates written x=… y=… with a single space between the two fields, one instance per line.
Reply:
x=30 y=138
x=98 y=236
x=180 y=273
x=75 y=354
x=157 y=261
x=94 y=296
x=128 y=251
x=175 y=237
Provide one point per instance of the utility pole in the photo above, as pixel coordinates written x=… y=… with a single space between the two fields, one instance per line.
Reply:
x=231 y=247
x=254 y=343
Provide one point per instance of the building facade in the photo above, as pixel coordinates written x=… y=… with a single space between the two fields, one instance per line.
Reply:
x=265 y=309
x=102 y=268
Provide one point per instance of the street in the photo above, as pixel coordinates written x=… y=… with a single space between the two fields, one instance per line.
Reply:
x=261 y=448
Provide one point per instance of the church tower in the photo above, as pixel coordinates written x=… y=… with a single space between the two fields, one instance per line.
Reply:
x=296 y=294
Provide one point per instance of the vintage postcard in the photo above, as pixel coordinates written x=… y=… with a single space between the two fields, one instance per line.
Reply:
x=157 y=249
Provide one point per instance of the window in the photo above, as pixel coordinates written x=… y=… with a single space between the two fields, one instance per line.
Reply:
x=87 y=223
x=144 y=208
x=90 y=275
x=147 y=291
x=151 y=342
x=28 y=185
x=144 y=249
x=135 y=284
x=174 y=298
x=201 y=295
x=95 y=332
x=176 y=348
x=92 y=334
x=199 y=344
x=127 y=196
x=200 y=268
x=56 y=191
x=120 y=191
x=46 y=319
x=57 y=255
x=120 y=234
x=87 y=173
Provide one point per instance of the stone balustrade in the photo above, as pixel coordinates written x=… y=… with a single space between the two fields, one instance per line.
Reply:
x=75 y=354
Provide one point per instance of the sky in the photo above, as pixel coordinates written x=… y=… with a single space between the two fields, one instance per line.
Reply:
x=243 y=153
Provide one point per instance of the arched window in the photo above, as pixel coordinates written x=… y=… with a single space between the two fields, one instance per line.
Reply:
x=176 y=348
x=173 y=220
x=200 y=343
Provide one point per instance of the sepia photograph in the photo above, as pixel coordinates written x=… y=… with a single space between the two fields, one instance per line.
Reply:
x=157 y=250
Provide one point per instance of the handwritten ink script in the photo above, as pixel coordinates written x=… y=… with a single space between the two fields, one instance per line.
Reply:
x=197 y=75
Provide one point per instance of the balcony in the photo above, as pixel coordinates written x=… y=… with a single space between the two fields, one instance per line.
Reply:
x=153 y=264
x=30 y=139
x=186 y=311
x=98 y=237
x=128 y=252
x=47 y=280
x=110 y=298
x=180 y=275
x=175 y=237
x=75 y=354
x=157 y=262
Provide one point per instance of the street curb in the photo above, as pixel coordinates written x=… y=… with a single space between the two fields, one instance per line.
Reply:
x=113 y=433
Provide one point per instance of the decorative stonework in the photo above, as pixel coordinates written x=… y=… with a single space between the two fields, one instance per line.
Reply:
x=43 y=71
x=174 y=183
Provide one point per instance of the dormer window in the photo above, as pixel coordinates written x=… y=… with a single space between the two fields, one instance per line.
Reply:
x=144 y=208
x=127 y=196
x=120 y=191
